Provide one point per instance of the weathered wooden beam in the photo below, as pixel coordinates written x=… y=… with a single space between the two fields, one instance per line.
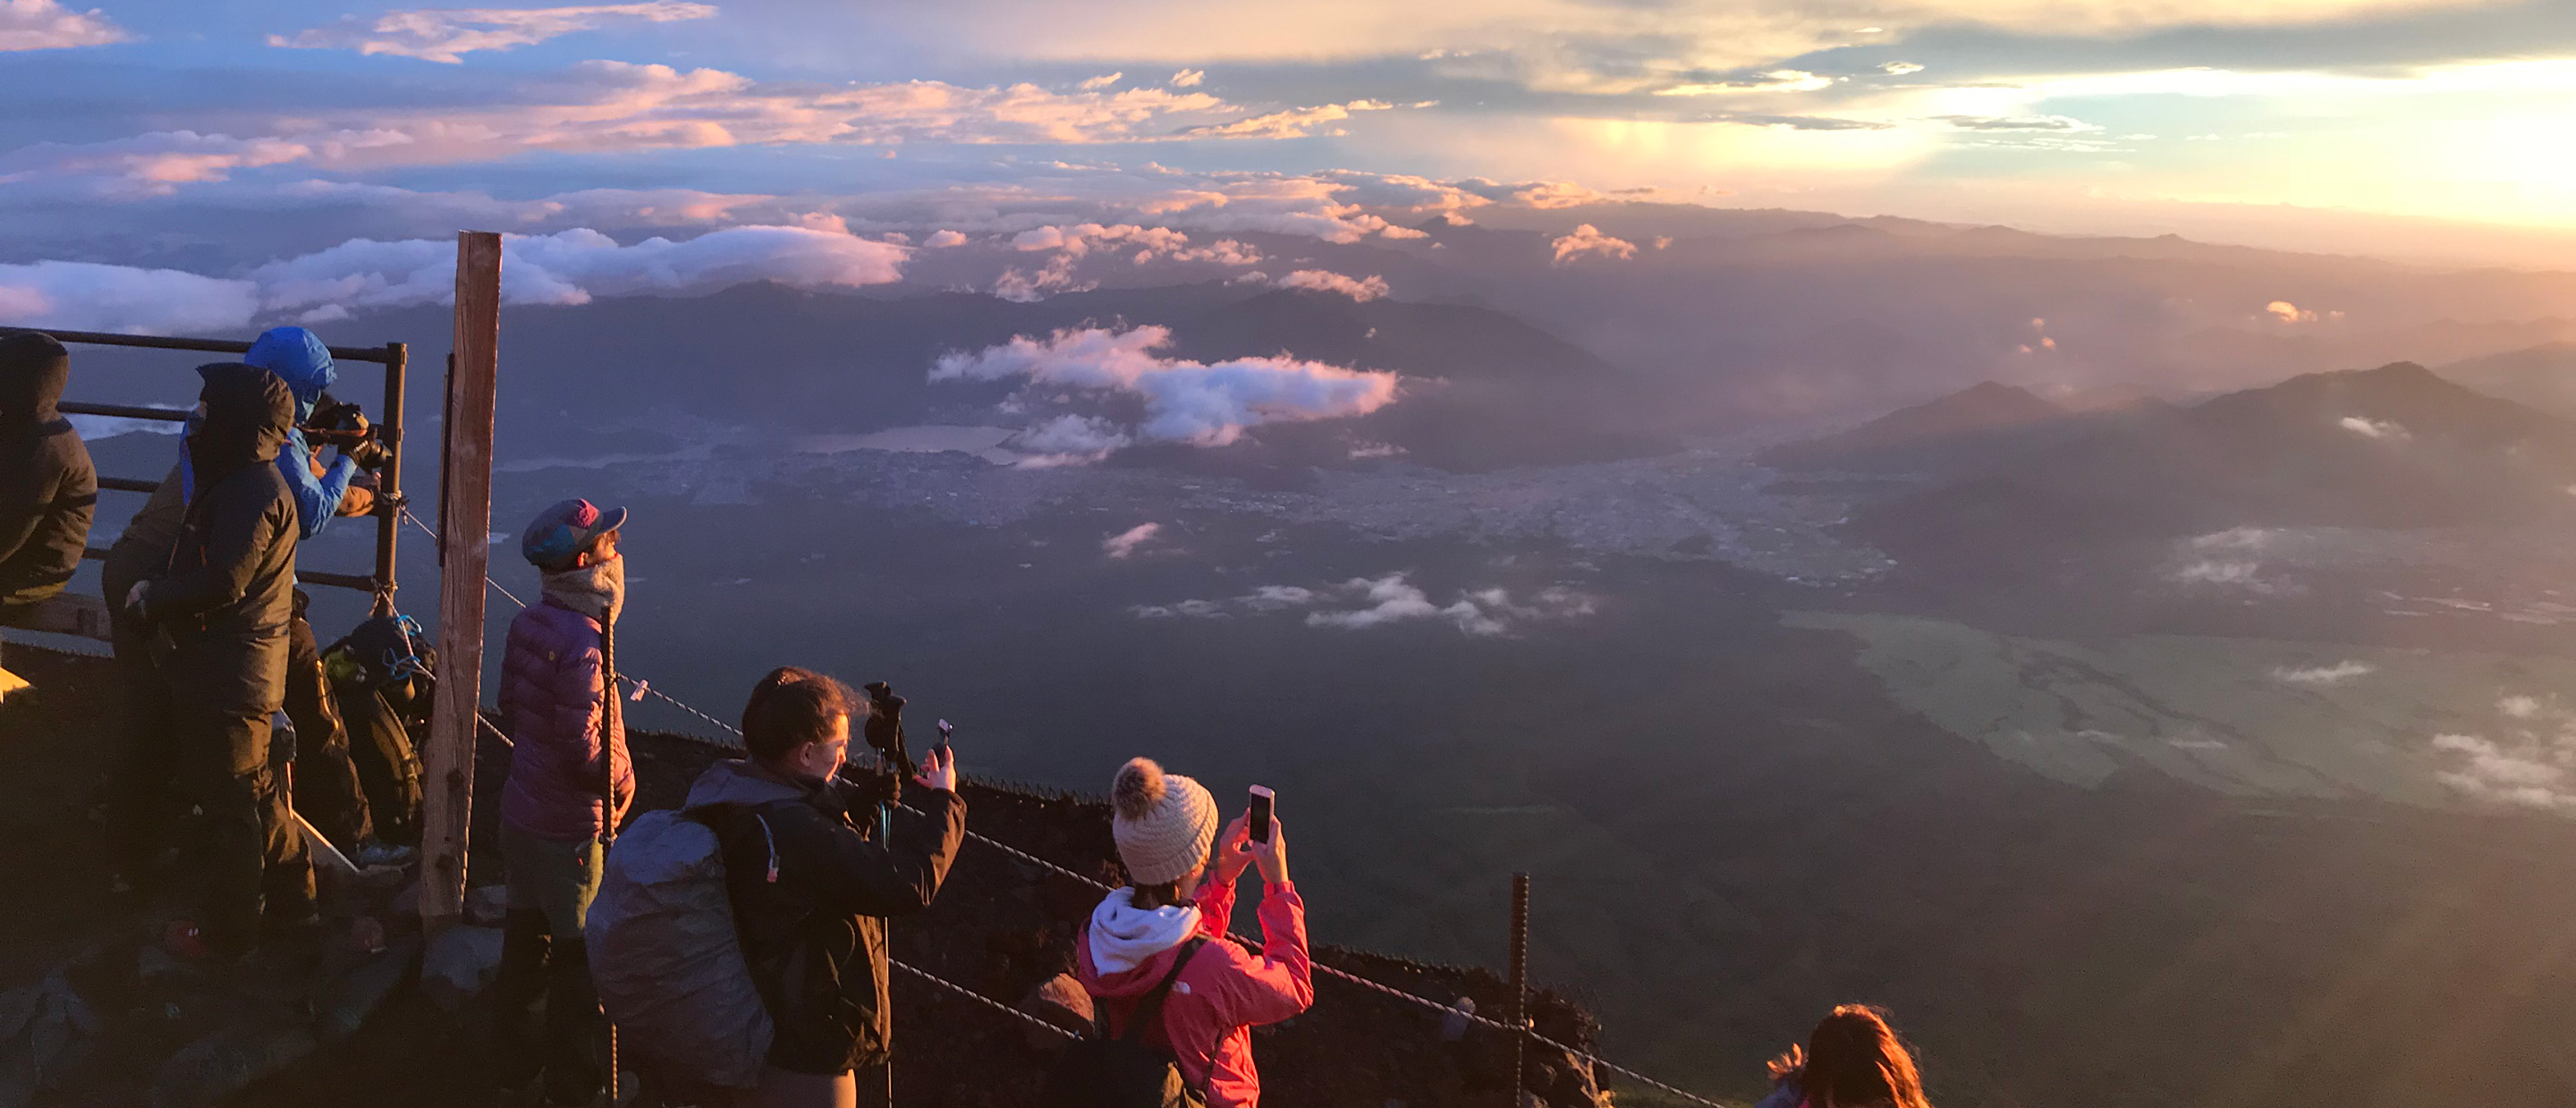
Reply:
x=465 y=512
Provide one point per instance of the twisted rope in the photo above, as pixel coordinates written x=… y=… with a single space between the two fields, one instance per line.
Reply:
x=980 y=998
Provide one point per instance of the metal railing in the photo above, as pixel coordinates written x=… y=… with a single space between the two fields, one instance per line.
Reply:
x=388 y=430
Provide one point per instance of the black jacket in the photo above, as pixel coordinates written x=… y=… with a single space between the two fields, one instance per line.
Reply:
x=229 y=593
x=815 y=936
x=48 y=489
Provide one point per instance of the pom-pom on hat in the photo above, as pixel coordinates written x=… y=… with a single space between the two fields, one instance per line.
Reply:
x=1164 y=823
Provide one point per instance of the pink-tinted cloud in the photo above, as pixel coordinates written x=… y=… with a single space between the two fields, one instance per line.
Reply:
x=155 y=163
x=1124 y=543
x=1588 y=239
x=448 y=34
x=46 y=25
x=599 y=107
x=1362 y=289
x=1291 y=123
x=1185 y=401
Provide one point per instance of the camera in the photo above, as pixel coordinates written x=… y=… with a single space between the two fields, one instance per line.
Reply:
x=343 y=424
x=884 y=730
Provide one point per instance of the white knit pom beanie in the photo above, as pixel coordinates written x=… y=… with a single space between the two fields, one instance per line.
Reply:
x=1165 y=823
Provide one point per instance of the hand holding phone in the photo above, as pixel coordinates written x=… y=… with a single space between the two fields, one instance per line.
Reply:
x=1257 y=824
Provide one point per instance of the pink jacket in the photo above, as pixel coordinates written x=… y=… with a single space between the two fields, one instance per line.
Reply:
x=1221 y=995
x=551 y=706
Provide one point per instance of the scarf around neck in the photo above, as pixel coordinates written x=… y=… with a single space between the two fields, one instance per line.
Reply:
x=597 y=591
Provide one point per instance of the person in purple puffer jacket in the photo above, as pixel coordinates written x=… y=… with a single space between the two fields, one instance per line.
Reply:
x=570 y=785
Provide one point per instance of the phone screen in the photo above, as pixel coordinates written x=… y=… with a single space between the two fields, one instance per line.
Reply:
x=1259 y=823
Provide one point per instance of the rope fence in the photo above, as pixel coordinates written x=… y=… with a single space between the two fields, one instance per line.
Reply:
x=645 y=688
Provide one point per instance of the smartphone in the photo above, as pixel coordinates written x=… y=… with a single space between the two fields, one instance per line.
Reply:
x=945 y=729
x=1259 y=822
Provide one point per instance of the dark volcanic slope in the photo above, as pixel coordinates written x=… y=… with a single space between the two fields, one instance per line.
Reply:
x=1967 y=429
x=2395 y=446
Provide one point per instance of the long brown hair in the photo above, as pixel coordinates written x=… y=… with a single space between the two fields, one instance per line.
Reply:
x=1855 y=1060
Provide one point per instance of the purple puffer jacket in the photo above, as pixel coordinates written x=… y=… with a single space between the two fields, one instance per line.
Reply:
x=551 y=702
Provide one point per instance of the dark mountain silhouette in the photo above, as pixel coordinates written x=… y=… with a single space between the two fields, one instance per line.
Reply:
x=2542 y=376
x=2395 y=446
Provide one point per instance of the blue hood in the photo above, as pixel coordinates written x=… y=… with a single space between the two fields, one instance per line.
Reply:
x=299 y=358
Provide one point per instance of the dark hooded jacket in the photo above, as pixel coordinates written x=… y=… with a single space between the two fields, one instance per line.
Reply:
x=809 y=889
x=48 y=488
x=229 y=591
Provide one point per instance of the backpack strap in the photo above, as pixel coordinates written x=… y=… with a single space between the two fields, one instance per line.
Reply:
x=1149 y=1008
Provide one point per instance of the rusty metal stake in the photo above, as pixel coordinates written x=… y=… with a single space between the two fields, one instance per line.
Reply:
x=1518 y=1016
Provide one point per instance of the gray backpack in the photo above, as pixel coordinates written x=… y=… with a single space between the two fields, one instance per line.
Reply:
x=666 y=960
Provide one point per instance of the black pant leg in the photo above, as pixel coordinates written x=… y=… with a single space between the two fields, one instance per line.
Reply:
x=326 y=780
x=576 y=1033
x=144 y=805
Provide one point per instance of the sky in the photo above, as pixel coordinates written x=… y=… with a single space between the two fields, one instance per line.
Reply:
x=218 y=139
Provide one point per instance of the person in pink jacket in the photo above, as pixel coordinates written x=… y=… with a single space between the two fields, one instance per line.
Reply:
x=570 y=784
x=1165 y=825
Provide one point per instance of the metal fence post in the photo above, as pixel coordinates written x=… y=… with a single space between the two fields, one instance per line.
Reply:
x=389 y=505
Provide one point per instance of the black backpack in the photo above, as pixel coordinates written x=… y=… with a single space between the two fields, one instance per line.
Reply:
x=1100 y=1071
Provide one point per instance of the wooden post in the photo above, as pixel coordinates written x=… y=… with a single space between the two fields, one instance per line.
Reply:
x=1518 y=1016
x=465 y=514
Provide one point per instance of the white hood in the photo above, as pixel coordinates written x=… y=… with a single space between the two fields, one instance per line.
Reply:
x=1123 y=935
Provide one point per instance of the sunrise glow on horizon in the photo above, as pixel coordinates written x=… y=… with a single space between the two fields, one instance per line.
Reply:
x=2063 y=115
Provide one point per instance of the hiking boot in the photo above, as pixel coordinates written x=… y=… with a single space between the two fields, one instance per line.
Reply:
x=375 y=853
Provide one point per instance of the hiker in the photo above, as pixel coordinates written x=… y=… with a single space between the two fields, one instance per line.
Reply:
x=811 y=870
x=220 y=609
x=140 y=791
x=570 y=785
x=1161 y=938
x=48 y=488
x=299 y=358
x=1853 y=1060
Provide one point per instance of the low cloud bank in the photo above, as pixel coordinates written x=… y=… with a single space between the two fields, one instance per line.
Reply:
x=570 y=267
x=85 y=296
x=1184 y=401
x=1365 y=602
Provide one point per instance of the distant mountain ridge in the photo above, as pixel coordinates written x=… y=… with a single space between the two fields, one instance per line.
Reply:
x=1481 y=388
x=1939 y=435
x=2542 y=376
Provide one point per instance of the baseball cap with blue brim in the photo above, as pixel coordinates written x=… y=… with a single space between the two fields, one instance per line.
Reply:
x=567 y=529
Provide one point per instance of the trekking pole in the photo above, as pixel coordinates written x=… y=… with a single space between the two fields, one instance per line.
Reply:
x=610 y=717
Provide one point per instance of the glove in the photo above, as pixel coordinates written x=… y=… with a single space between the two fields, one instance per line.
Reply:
x=370 y=455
